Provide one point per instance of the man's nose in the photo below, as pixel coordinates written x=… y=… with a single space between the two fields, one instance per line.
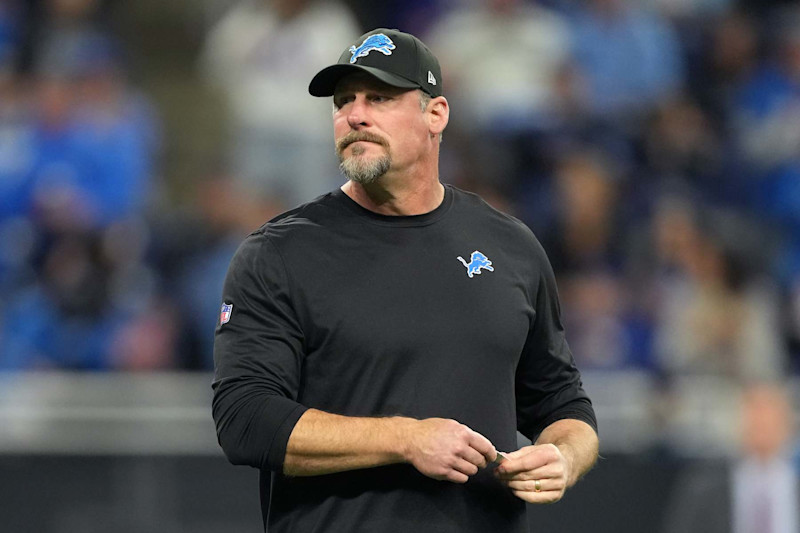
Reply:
x=358 y=113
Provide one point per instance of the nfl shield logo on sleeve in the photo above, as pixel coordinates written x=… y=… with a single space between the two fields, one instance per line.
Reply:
x=225 y=313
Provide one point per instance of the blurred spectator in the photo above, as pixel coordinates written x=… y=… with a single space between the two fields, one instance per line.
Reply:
x=148 y=337
x=766 y=120
x=779 y=203
x=95 y=139
x=261 y=55
x=225 y=215
x=585 y=248
x=501 y=62
x=10 y=36
x=587 y=197
x=16 y=156
x=63 y=321
x=680 y=144
x=768 y=106
x=715 y=314
x=16 y=151
x=506 y=68
x=629 y=57
x=604 y=334
x=759 y=492
x=15 y=146
x=728 y=58
x=120 y=131
x=61 y=26
x=94 y=306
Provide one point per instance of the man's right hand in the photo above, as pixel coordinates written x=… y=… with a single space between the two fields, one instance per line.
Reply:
x=324 y=443
x=447 y=450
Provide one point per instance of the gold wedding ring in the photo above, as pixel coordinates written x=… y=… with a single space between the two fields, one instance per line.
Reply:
x=537 y=485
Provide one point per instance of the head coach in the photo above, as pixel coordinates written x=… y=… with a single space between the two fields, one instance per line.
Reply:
x=380 y=346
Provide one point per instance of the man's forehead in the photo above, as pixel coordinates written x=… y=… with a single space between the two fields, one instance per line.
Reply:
x=359 y=81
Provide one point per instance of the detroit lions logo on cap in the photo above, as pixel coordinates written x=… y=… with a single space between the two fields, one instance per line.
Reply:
x=378 y=42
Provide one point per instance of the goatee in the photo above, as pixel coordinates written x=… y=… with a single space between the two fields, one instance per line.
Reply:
x=364 y=171
x=360 y=169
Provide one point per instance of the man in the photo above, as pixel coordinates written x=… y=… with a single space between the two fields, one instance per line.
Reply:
x=759 y=491
x=378 y=345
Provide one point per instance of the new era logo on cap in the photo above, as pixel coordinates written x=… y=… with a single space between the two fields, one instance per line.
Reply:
x=396 y=58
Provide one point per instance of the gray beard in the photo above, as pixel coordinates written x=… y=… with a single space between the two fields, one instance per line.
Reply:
x=364 y=171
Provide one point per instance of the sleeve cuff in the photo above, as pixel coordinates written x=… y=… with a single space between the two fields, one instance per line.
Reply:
x=578 y=410
x=277 y=450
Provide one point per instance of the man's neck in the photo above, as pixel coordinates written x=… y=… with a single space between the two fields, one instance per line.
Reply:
x=405 y=199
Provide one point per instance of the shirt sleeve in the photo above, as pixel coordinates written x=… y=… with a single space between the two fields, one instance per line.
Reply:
x=548 y=383
x=258 y=355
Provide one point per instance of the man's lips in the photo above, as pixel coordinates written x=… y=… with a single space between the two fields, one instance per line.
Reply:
x=352 y=139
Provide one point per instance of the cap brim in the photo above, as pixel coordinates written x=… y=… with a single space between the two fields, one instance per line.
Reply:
x=324 y=83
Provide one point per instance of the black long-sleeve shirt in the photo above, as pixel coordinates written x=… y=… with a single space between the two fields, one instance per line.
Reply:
x=450 y=314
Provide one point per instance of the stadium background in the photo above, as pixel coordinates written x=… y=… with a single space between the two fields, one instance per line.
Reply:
x=653 y=147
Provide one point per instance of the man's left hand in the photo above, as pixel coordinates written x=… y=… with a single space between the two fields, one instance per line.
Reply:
x=541 y=467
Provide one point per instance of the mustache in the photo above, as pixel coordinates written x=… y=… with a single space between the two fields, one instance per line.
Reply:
x=356 y=136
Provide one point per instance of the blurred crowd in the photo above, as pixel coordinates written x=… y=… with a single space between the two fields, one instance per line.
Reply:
x=652 y=146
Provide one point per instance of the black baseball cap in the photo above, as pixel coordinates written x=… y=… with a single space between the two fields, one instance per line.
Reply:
x=394 y=57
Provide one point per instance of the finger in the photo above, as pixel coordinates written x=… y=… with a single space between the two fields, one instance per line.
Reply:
x=528 y=459
x=529 y=485
x=456 y=477
x=522 y=452
x=552 y=470
x=483 y=445
x=465 y=467
x=473 y=456
x=536 y=450
x=551 y=496
x=513 y=467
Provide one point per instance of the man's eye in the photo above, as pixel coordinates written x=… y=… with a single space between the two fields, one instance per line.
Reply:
x=341 y=102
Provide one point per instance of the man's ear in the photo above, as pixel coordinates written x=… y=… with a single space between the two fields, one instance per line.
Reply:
x=438 y=114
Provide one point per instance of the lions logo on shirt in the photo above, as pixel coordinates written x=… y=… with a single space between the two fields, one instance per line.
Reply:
x=477 y=261
x=378 y=42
